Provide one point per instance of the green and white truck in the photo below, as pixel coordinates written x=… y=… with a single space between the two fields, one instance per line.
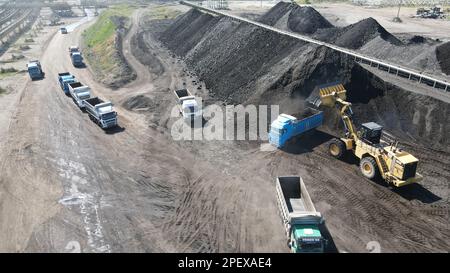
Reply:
x=300 y=218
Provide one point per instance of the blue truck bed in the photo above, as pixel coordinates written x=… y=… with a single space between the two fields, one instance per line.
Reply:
x=287 y=126
x=64 y=79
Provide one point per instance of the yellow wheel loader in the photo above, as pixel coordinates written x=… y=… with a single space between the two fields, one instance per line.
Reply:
x=378 y=157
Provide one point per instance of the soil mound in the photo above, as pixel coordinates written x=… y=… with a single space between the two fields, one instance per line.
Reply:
x=443 y=56
x=356 y=35
x=137 y=102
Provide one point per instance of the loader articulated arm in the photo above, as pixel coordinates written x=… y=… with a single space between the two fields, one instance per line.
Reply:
x=346 y=113
x=334 y=95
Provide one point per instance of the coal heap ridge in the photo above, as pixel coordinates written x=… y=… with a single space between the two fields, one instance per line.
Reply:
x=356 y=35
x=307 y=20
x=443 y=56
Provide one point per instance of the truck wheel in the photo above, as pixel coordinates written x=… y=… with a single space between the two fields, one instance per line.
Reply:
x=368 y=167
x=336 y=148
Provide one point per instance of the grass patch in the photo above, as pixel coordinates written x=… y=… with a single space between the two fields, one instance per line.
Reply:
x=102 y=31
x=99 y=40
x=2 y=90
x=163 y=12
x=6 y=75
x=9 y=70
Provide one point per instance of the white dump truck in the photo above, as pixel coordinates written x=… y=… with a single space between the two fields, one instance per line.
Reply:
x=189 y=108
x=79 y=93
x=73 y=49
x=101 y=112
x=300 y=218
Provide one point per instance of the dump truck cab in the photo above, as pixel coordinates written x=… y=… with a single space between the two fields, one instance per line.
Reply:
x=35 y=70
x=73 y=49
x=280 y=127
x=189 y=107
x=307 y=238
x=77 y=59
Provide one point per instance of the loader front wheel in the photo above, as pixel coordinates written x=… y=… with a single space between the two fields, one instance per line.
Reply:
x=337 y=148
x=368 y=167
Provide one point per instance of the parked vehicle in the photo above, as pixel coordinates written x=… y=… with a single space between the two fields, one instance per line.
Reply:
x=101 y=112
x=34 y=69
x=73 y=49
x=77 y=59
x=285 y=127
x=300 y=218
x=79 y=93
x=189 y=108
x=64 y=79
x=63 y=30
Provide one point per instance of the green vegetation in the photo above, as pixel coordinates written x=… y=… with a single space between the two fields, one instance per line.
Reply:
x=7 y=72
x=102 y=31
x=163 y=12
x=2 y=90
x=99 y=40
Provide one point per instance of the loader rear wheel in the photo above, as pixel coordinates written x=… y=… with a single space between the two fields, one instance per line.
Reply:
x=337 y=148
x=368 y=167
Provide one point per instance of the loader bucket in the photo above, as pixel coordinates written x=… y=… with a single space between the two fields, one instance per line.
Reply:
x=327 y=94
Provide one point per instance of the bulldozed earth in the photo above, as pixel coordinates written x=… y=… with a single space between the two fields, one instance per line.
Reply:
x=136 y=189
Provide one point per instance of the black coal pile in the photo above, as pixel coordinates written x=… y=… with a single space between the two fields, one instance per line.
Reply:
x=417 y=39
x=188 y=30
x=443 y=56
x=274 y=14
x=356 y=35
x=239 y=61
x=306 y=20
x=300 y=19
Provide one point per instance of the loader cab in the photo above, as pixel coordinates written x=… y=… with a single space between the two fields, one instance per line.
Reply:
x=370 y=132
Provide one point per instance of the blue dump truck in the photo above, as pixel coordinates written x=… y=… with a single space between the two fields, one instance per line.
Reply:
x=285 y=127
x=35 y=70
x=64 y=80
